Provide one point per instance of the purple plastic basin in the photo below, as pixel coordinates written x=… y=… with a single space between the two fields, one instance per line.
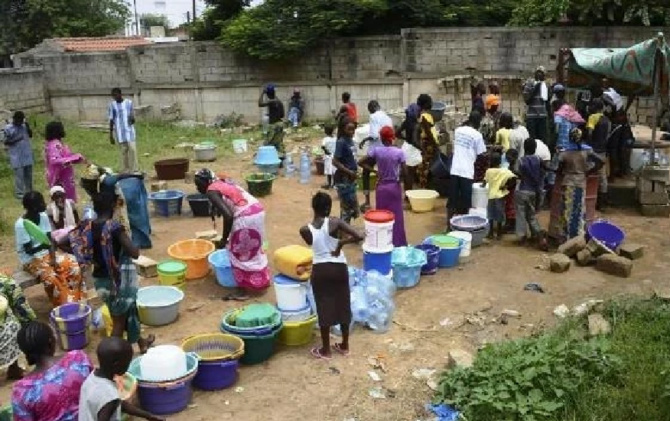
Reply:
x=165 y=399
x=216 y=375
x=433 y=256
x=71 y=321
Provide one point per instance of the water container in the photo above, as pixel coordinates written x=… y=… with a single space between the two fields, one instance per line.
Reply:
x=480 y=196
x=89 y=213
x=291 y=294
x=289 y=167
x=467 y=241
x=163 y=362
x=305 y=168
x=379 y=231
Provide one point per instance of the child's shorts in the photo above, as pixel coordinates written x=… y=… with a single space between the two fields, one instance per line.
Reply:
x=495 y=210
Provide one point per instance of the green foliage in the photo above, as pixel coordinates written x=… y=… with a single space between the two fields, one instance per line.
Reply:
x=148 y=20
x=561 y=376
x=592 y=12
x=529 y=379
x=25 y=23
x=214 y=19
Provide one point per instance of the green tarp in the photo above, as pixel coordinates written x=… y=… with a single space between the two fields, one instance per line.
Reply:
x=629 y=70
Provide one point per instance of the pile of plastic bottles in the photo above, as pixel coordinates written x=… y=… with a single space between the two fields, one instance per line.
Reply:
x=372 y=299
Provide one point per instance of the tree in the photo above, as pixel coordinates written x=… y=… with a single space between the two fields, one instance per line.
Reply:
x=592 y=12
x=25 y=23
x=210 y=24
x=148 y=20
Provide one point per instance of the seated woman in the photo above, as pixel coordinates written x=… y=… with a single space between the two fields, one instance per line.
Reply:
x=132 y=206
x=104 y=243
x=243 y=230
x=62 y=213
x=58 y=271
x=51 y=391
x=14 y=313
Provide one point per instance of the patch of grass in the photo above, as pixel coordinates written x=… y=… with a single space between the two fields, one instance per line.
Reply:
x=561 y=375
x=155 y=140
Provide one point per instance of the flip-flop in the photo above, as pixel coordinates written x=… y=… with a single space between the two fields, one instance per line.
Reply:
x=337 y=347
x=148 y=343
x=316 y=353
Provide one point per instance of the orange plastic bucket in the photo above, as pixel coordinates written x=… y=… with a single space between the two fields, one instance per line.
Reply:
x=194 y=253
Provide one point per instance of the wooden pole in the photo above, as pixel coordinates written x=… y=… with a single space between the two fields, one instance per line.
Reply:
x=657 y=89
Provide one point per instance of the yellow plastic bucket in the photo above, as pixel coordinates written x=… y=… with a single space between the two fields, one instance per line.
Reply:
x=107 y=320
x=172 y=273
x=297 y=333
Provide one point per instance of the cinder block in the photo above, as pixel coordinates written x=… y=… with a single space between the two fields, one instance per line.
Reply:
x=653 y=198
x=655 y=211
x=615 y=265
x=631 y=251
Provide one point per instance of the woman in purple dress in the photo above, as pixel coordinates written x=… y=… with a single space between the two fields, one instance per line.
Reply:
x=391 y=170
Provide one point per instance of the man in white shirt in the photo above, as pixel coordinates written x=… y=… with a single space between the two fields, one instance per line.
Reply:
x=378 y=119
x=468 y=145
x=122 y=130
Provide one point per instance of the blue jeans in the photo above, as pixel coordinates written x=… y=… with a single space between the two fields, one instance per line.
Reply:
x=23 y=180
x=294 y=116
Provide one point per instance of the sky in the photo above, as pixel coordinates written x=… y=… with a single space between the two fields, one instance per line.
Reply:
x=175 y=10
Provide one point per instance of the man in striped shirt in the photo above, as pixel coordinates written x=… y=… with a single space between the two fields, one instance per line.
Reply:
x=122 y=130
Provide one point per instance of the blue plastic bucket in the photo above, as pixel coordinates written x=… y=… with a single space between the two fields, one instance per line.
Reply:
x=407 y=263
x=220 y=262
x=607 y=233
x=433 y=256
x=449 y=256
x=381 y=262
x=216 y=375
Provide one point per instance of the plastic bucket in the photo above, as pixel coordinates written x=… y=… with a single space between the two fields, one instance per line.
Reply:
x=381 y=262
x=467 y=241
x=199 y=204
x=480 y=196
x=240 y=146
x=267 y=155
x=172 y=273
x=205 y=152
x=379 y=231
x=71 y=322
x=216 y=375
x=297 y=333
x=165 y=398
x=291 y=294
x=433 y=257
x=606 y=233
x=194 y=253
x=298 y=315
x=167 y=203
x=449 y=255
x=220 y=262
x=407 y=263
x=258 y=349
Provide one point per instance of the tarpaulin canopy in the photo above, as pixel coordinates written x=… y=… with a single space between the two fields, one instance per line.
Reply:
x=629 y=70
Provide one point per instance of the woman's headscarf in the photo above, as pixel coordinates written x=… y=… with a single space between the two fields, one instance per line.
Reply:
x=566 y=111
x=387 y=135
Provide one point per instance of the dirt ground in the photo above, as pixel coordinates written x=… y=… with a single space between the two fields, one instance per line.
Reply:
x=429 y=321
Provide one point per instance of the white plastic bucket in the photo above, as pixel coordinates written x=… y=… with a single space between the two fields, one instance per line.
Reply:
x=205 y=153
x=240 y=146
x=480 y=196
x=291 y=296
x=378 y=236
x=467 y=241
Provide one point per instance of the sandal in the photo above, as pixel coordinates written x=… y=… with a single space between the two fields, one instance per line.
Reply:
x=316 y=353
x=339 y=350
x=145 y=343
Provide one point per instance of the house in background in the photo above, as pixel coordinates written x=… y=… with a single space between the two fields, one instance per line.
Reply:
x=175 y=10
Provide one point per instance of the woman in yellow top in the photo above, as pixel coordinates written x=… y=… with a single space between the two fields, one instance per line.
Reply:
x=506 y=124
x=428 y=139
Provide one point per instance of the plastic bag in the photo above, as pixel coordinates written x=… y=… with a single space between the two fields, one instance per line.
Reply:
x=412 y=155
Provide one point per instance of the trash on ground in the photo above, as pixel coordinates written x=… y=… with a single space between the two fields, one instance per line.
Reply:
x=562 y=311
x=374 y=376
x=377 y=393
x=535 y=287
x=443 y=412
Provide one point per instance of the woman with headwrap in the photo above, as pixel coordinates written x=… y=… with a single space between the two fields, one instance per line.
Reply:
x=62 y=213
x=243 y=230
x=575 y=163
x=428 y=138
x=407 y=132
x=132 y=204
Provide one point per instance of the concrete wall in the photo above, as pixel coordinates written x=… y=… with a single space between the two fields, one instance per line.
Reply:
x=207 y=80
x=23 y=89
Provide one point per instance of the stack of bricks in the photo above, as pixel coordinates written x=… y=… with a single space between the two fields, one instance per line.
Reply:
x=652 y=191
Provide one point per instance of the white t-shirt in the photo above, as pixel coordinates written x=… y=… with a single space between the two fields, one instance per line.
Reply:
x=329 y=143
x=22 y=237
x=468 y=144
x=96 y=392
x=378 y=119
x=542 y=151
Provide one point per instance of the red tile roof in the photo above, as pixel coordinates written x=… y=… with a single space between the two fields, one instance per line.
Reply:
x=99 y=44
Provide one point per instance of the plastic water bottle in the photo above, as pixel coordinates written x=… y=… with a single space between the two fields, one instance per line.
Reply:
x=289 y=168
x=89 y=213
x=305 y=168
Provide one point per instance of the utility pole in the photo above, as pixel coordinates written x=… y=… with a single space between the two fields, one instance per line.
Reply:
x=137 y=22
x=194 y=16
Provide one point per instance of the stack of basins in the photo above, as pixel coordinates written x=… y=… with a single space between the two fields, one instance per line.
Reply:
x=258 y=326
x=294 y=264
x=267 y=160
x=218 y=359
x=164 y=376
x=477 y=226
x=378 y=245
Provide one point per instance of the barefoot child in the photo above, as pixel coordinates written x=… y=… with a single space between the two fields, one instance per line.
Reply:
x=99 y=399
x=330 y=275
x=498 y=180
x=328 y=146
